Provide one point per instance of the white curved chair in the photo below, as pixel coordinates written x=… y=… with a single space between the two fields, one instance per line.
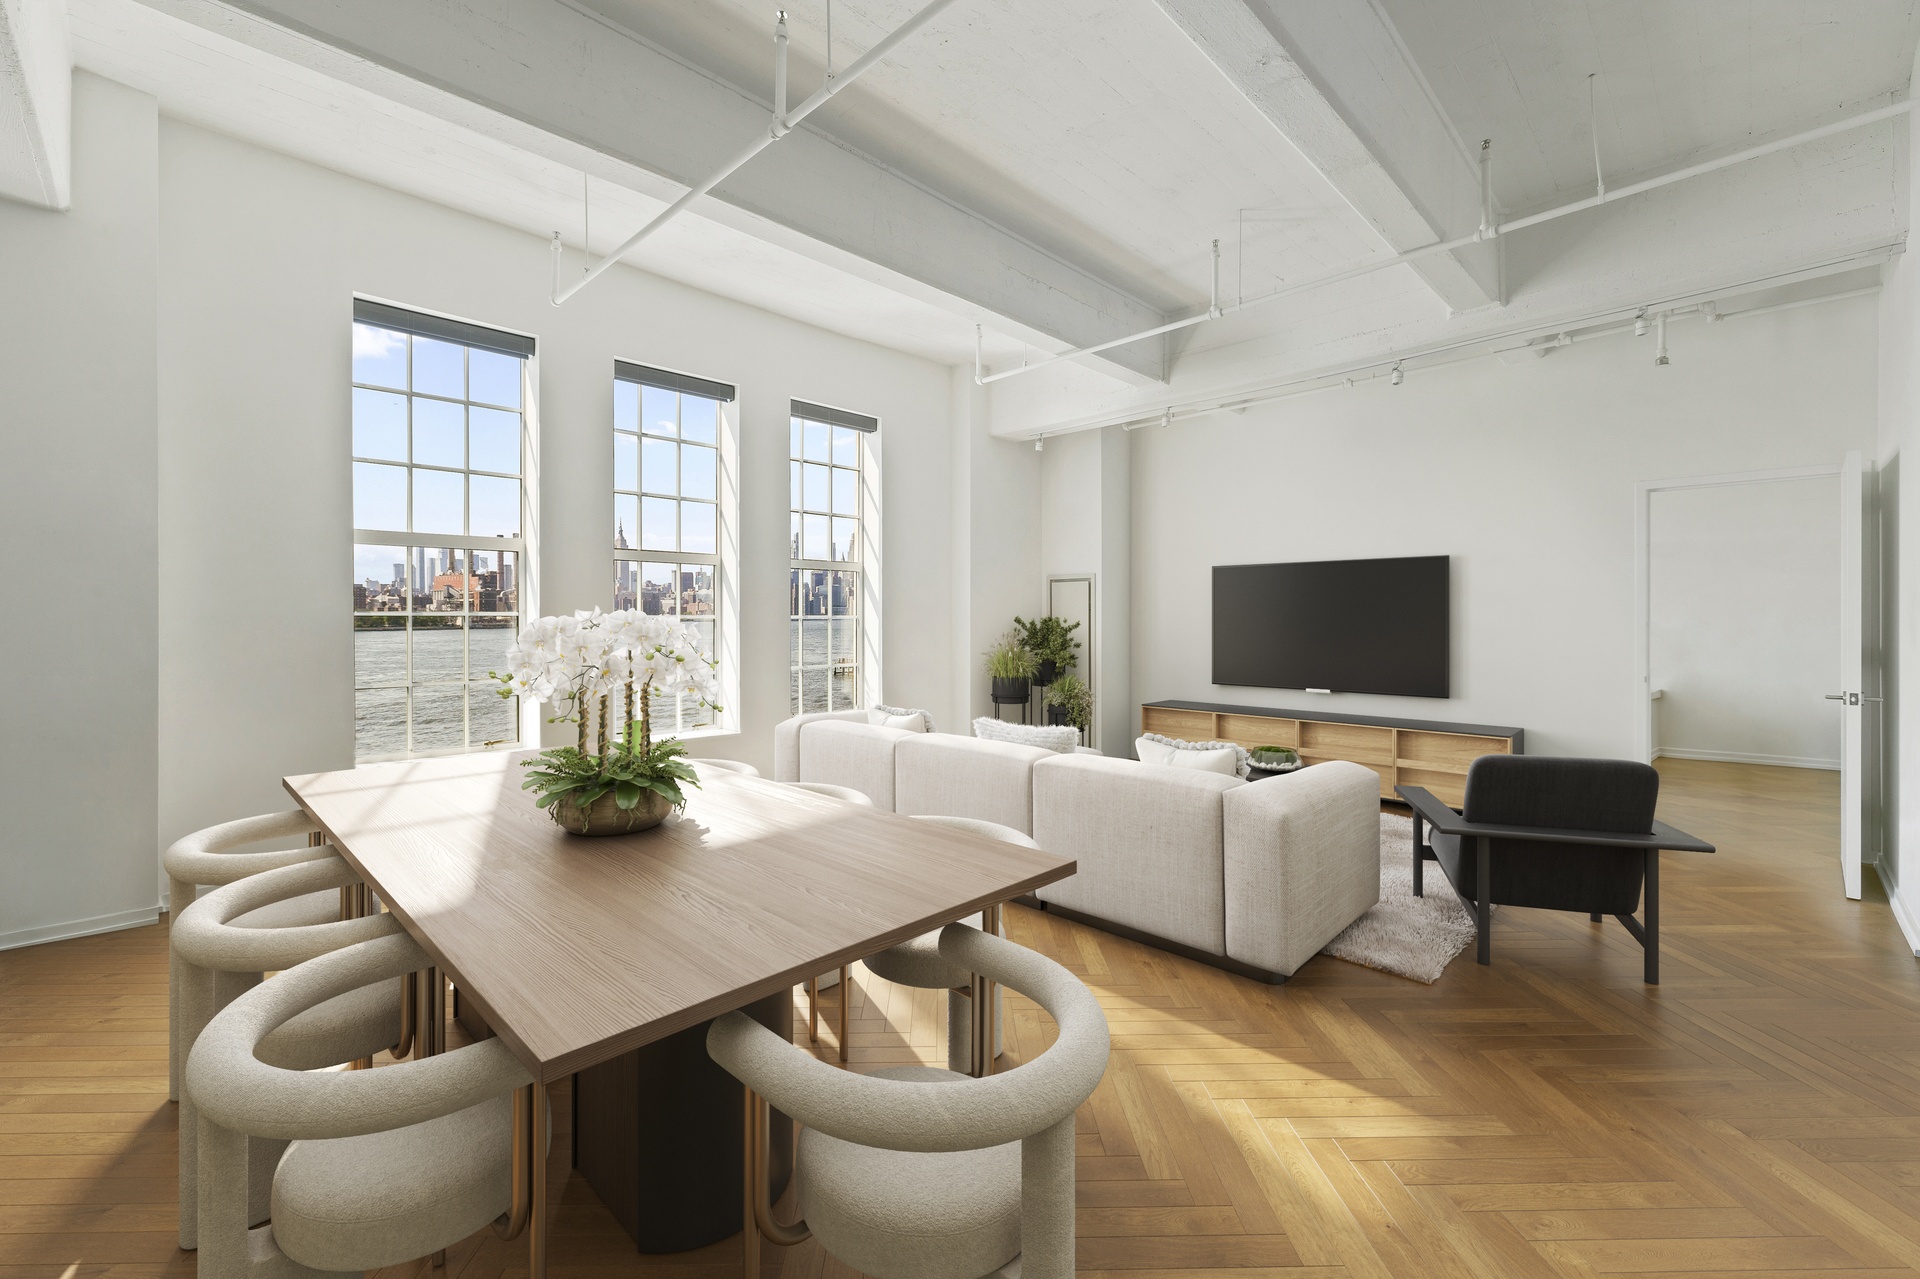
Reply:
x=918 y=963
x=847 y=793
x=221 y=957
x=727 y=766
x=206 y=859
x=385 y=1165
x=842 y=976
x=917 y=1173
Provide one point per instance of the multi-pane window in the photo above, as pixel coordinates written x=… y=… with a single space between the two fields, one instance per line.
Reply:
x=667 y=508
x=825 y=466
x=439 y=434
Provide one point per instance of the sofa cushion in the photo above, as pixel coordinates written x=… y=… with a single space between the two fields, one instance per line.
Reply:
x=1056 y=737
x=1148 y=840
x=945 y=775
x=849 y=753
x=786 y=740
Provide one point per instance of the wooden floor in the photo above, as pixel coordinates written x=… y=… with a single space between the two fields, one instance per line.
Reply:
x=1759 y=1113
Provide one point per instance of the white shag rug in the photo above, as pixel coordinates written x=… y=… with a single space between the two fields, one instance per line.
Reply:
x=1405 y=935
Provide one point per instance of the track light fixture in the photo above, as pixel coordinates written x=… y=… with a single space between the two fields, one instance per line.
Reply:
x=1710 y=312
x=1640 y=323
x=1397 y=377
x=1040 y=444
x=1660 y=339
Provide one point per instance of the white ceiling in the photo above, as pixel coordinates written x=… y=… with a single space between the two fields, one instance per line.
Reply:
x=1675 y=81
x=1094 y=129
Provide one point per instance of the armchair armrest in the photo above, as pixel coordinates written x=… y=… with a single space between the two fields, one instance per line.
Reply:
x=1443 y=819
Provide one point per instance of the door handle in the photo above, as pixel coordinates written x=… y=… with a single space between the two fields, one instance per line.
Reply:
x=1850 y=699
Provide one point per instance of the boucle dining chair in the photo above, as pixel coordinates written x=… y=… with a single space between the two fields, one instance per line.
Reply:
x=726 y=766
x=384 y=1165
x=210 y=858
x=919 y=1173
x=846 y=794
x=221 y=958
x=918 y=963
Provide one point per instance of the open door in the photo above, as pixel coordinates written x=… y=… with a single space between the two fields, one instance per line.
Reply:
x=1853 y=790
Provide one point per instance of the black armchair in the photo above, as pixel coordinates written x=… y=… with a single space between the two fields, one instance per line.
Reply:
x=1555 y=834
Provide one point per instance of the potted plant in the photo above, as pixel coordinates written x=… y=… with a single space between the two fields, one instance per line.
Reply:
x=1051 y=642
x=582 y=665
x=1011 y=667
x=1275 y=759
x=1069 y=701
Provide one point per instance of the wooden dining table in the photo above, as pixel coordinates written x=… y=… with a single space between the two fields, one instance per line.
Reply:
x=576 y=950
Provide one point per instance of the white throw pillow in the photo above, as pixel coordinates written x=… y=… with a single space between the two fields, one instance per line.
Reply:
x=1223 y=759
x=1061 y=739
x=914 y=721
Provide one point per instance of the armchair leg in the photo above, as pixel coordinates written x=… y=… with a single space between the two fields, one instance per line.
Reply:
x=1419 y=854
x=1482 y=891
x=1594 y=916
x=1651 y=941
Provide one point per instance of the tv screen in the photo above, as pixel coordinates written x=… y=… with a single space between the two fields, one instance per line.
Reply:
x=1343 y=626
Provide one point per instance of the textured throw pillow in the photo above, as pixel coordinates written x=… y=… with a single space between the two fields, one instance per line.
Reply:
x=1061 y=739
x=914 y=721
x=1207 y=757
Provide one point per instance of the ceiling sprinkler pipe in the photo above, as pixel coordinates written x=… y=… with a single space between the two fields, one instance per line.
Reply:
x=1488 y=230
x=861 y=65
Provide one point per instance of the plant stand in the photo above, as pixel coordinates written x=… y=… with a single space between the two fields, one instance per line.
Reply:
x=1024 y=703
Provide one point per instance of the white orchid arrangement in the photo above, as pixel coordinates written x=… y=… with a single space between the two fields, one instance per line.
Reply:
x=579 y=665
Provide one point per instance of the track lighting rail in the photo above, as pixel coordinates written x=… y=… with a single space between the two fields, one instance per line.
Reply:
x=782 y=123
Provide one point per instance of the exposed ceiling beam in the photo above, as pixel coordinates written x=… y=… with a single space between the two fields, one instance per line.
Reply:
x=553 y=78
x=1333 y=77
x=36 y=103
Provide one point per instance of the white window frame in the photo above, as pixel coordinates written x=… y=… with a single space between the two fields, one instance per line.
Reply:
x=864 y=564
x=523 y=548
x=724 y=560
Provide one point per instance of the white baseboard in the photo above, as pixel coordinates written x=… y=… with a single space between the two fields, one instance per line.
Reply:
x=79 y=928
x=1909 y=926
x=1734 y=757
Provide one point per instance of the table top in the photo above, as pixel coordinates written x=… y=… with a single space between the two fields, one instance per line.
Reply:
x=577 y=949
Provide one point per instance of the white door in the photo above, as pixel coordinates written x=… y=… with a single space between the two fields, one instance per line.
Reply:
x=1853 y=515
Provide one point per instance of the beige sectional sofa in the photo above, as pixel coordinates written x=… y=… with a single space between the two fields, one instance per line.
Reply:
x=1252 y=877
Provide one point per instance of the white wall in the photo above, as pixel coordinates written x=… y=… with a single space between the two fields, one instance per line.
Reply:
x=260 y=256
x=1524 y=473
x=995 y=573
x=1086 y=528
x=1744 y=623
x=77 y=445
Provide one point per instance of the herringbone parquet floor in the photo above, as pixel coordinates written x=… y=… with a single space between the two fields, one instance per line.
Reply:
x=1551 y=1117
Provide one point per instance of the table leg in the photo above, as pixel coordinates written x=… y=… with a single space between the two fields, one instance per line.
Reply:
x=846 y=1003
x=1483 y=886
x=537 y=1185
x=1651 y=942
x=982 y=998
x=749 y=1229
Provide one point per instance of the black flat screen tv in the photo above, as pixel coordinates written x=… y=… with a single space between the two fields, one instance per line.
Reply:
x=1342 y=626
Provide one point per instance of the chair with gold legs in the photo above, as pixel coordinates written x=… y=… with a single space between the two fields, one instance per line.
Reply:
x=208 y=859
x=221 y=958
x=847 y=795
x=384 y=1166
x=918 y=963
x=918 y=1173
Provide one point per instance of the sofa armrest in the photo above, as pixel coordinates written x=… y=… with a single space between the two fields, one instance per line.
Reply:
x=786 y=741
x=1302 y=861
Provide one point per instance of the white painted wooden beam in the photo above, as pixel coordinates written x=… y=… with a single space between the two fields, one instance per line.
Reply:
x=552 y=77
x=1333 y=77
x=36 y=103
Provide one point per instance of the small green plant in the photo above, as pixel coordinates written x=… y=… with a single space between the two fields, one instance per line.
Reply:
x=1008 y=660
x=1049 y=640
x=1071 y=694
x=1275 y=756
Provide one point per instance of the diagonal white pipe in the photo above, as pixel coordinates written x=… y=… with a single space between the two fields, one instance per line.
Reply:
x=775 y=131
x=1461 y=242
